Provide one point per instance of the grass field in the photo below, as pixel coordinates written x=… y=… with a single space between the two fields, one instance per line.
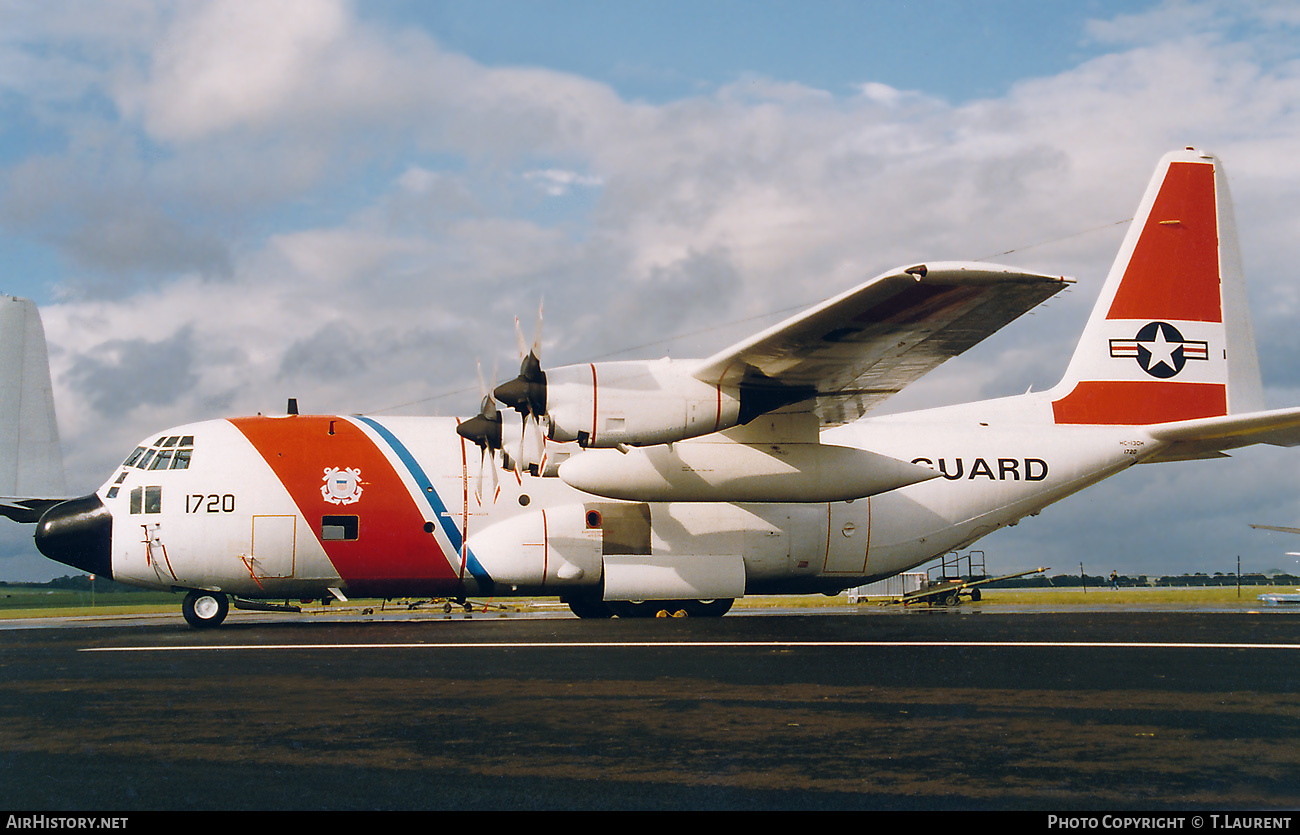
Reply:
x=18 y=602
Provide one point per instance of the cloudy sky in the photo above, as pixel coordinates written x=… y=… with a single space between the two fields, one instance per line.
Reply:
x=219 y=205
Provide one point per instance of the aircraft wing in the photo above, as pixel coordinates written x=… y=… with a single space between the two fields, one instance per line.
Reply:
x=25 y=510
x=1276 y=528
x=855 y=350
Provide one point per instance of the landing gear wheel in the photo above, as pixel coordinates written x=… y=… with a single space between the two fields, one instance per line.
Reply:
x=637 y=608
x=707 y=608
x=205 y=609
x=589 y=608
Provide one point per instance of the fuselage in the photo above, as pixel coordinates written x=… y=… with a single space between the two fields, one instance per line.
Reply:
x=296 y=506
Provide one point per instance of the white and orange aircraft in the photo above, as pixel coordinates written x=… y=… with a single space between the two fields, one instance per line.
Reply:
x=629 y=484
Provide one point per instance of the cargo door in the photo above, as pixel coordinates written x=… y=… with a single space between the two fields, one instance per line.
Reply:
x=848 y=536
x=273 y=548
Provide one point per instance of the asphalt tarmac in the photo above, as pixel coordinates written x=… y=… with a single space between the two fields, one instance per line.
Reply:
x=918 y=710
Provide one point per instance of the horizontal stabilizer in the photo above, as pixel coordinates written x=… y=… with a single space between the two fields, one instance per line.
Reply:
x=1204 y=437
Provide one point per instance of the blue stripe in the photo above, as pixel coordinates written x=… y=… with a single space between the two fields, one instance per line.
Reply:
x=440 y=512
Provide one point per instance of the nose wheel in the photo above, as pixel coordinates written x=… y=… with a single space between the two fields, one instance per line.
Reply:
x=205 y=609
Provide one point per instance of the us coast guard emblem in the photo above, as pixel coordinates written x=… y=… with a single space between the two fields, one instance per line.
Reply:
x=342 y=486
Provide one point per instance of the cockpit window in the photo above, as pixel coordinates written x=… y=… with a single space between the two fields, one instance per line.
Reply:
x=152 y=499
x=169 y=452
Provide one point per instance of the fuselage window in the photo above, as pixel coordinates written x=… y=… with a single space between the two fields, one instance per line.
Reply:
x=182 y=459
x=163 y=461
x=134 y=457
x=339 y=528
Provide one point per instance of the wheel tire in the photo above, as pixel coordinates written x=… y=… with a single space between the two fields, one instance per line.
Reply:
x=589 y=608
x=205 y=609
x=952 y=599
x=707 y=608
x=637 y=608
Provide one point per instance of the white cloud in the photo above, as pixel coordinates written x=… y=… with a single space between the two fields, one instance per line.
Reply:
x=557 y=182
x=229 y=64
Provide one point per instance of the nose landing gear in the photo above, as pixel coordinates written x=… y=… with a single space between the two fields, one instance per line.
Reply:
x=205 y=609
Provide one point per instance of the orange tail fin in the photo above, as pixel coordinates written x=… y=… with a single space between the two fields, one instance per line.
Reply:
x=1170 y=338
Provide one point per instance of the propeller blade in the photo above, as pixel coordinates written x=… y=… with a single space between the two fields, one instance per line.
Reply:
x=526 y=393
x=478 y=483
x=536 y=440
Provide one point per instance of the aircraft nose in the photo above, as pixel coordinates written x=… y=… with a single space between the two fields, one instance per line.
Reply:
x=79 y=533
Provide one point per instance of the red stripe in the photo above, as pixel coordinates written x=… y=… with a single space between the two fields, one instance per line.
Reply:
x=1137 y=403
x=464 y=513
x=1173 y=273
x=592 y=439
x=546 y=550
x=392 y=555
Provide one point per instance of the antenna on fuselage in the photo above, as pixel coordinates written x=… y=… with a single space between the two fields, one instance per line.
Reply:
x=292 y=408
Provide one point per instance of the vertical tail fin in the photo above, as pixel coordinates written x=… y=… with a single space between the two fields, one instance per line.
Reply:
x=1170 y=338
x=31 y=462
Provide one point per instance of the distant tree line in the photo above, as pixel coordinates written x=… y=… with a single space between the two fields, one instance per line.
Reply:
x=1097 y=581
x=78 y=582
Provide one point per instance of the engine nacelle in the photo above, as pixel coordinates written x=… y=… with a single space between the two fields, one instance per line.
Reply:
x=635 y=403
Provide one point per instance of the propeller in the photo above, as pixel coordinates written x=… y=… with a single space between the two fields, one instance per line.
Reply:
x=484 y=429
x=526 y=394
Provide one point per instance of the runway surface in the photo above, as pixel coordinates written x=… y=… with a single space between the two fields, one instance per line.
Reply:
x=927 y=709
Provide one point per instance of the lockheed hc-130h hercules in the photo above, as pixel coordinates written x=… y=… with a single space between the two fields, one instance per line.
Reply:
x=624 y=485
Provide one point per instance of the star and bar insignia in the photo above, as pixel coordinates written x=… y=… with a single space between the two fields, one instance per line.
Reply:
x=1160 y=349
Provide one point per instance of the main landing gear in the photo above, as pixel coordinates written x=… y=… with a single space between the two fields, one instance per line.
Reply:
x=586 y=607
x=205 y=609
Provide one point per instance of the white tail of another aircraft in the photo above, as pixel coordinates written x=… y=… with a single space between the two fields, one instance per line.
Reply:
x=1170 y=338
x=31 y=462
